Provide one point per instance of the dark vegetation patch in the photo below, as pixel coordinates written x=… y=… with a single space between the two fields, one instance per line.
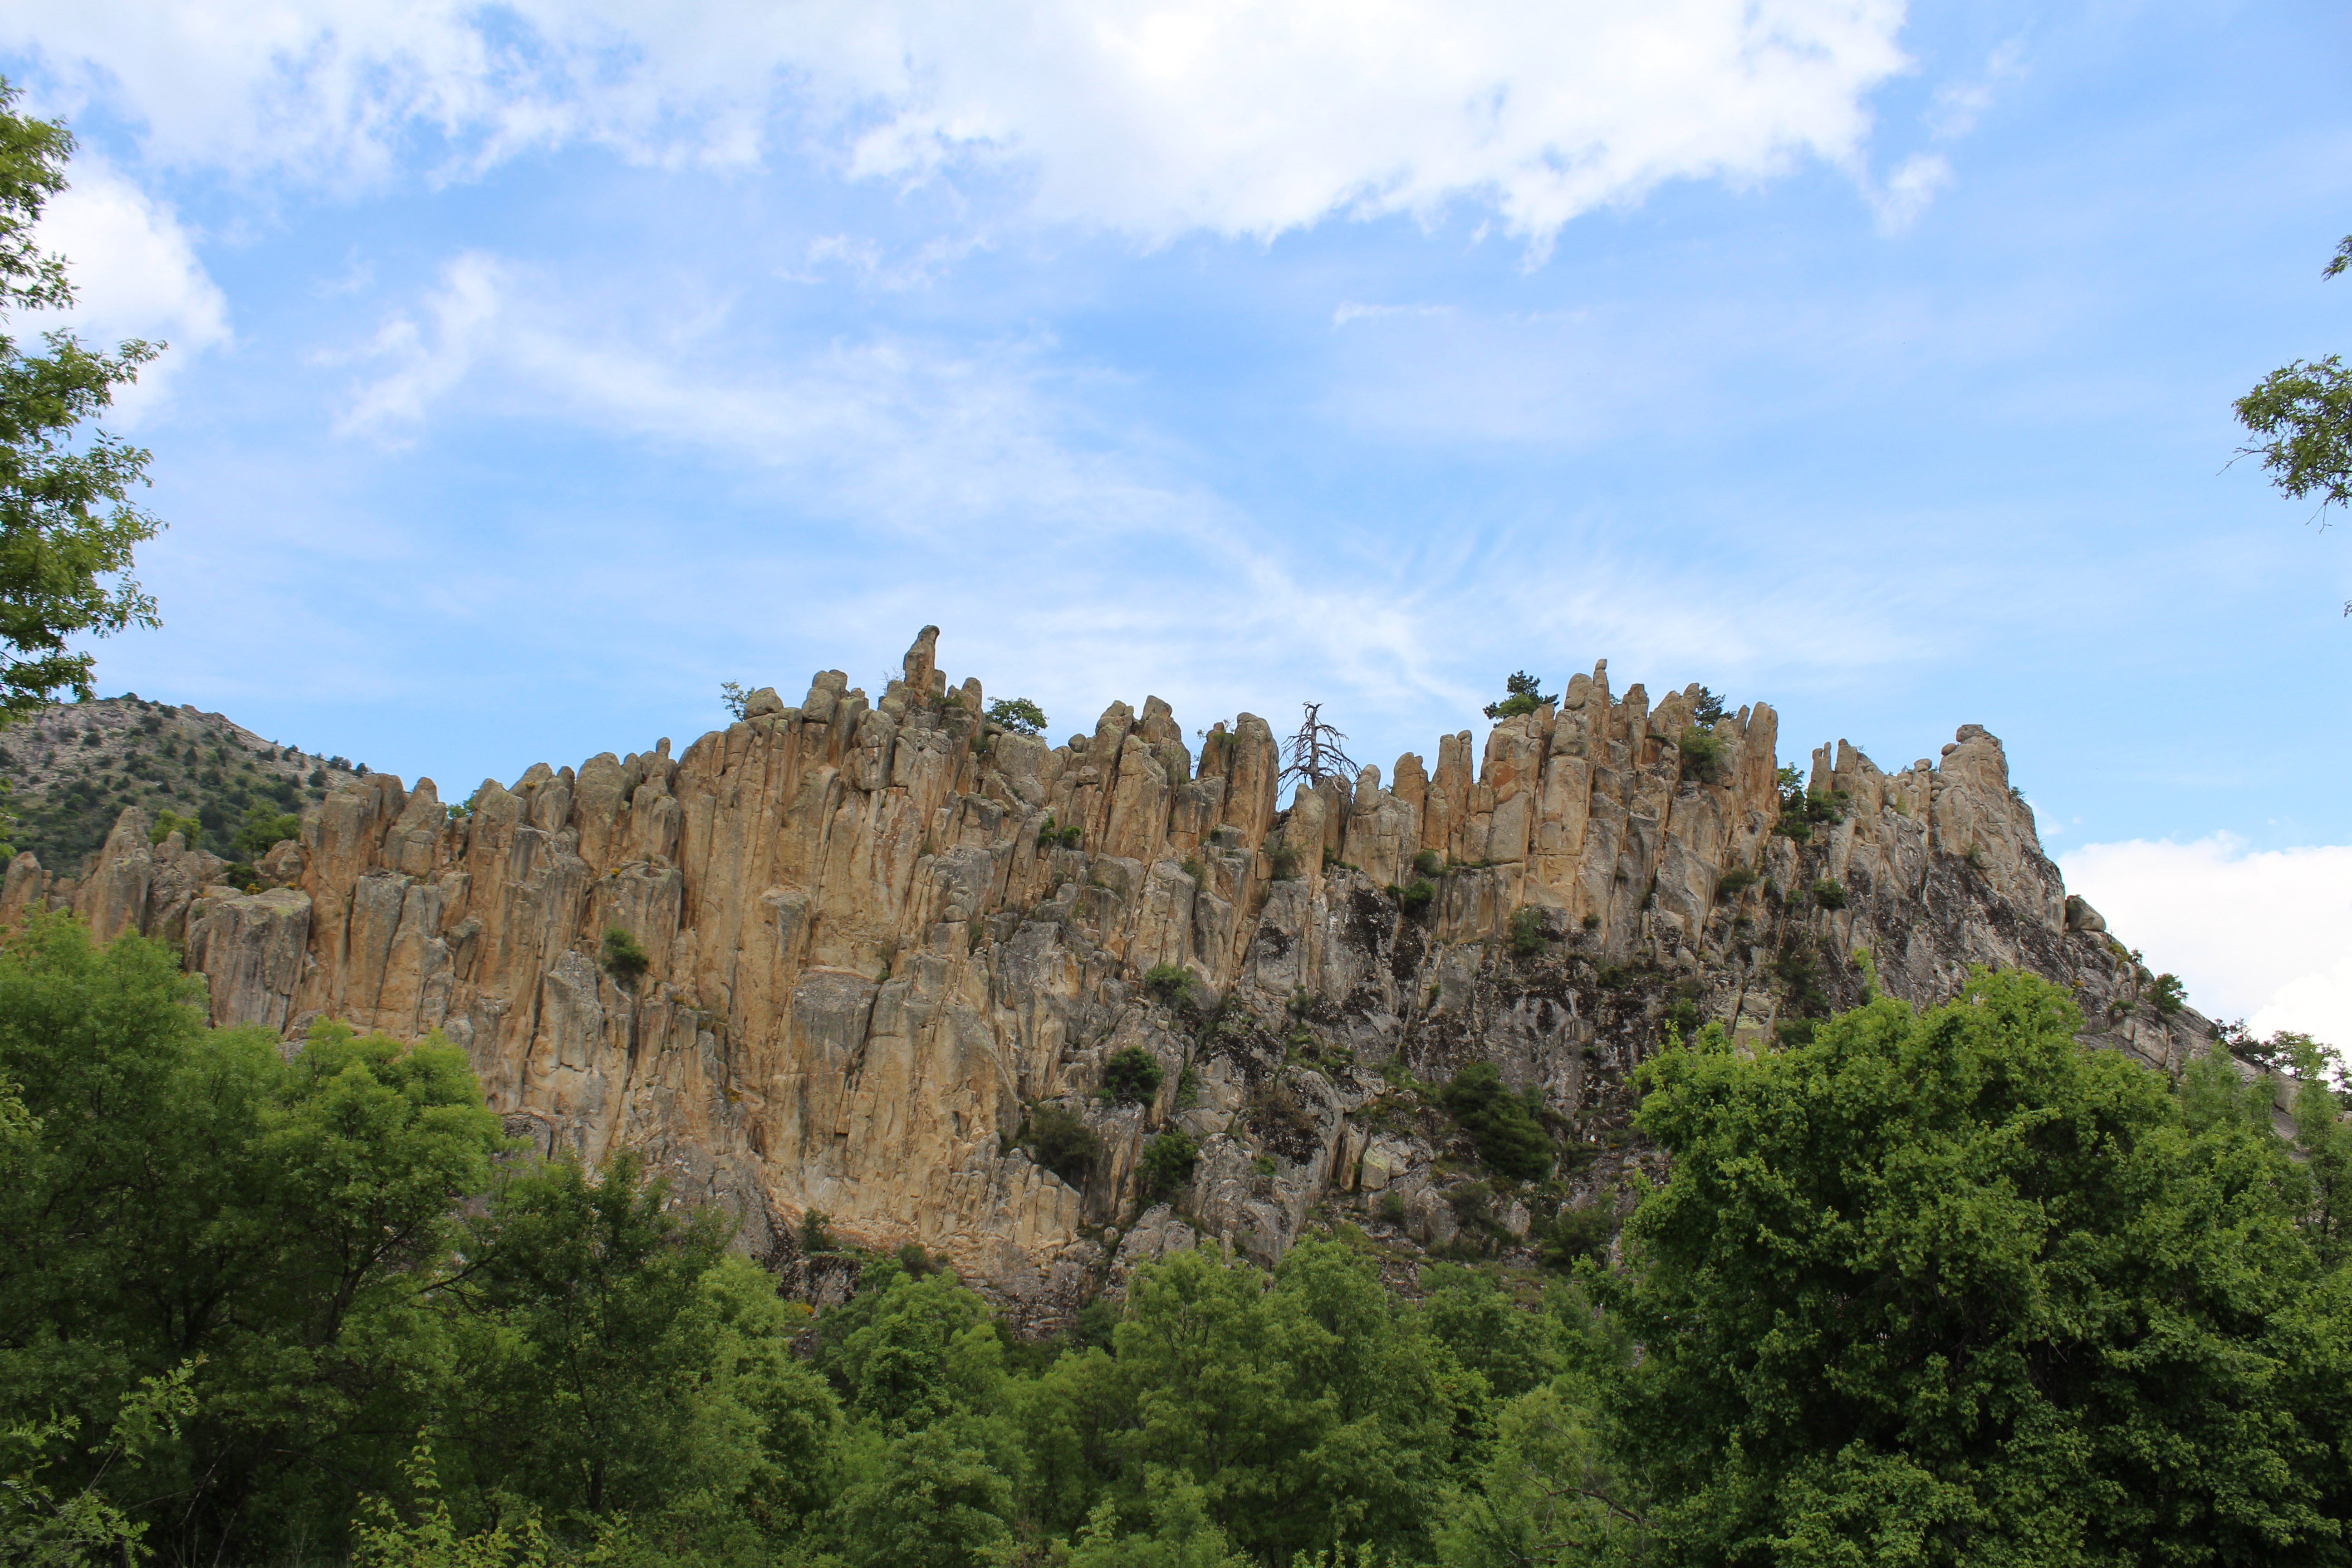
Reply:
x=1057 y=1139
x=1506 y=1128
x=1131 y=1077
x=1276 y=1113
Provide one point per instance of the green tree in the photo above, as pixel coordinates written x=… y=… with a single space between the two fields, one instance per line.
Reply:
x=1504 y=1126
x=1167 y=1164
x=1016 y=714
x=67 y=528
x=926 y=1498
x=84 y=1527
x=1522 y=693
x=2301 y=417
x=926 y=1352
x=1950 y=1287
x=1310 y=1413
x=591 y=1339
x=1180 y=1536
x=1131 y=1076
x=1058 y=1138
x=191 y=1195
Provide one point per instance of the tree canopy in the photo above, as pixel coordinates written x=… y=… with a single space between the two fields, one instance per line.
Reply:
x=67 y=526
x=1948 y=1287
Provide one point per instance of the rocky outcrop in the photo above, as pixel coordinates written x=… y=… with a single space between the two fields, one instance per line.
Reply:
x=837 y=956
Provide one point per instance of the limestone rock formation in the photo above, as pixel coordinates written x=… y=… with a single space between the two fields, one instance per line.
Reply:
x=878 y=938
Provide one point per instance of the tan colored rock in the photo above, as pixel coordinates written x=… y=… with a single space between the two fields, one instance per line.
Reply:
x=865 y=970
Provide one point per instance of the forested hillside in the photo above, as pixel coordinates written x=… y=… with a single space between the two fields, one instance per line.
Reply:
x=1940 y=1287
x=71 y=769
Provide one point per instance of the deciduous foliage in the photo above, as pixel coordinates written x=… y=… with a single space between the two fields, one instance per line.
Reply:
x=1949 y=1288
x=192 y=1196
x=1017 y=714
x=2302 y=416
x=67 y=528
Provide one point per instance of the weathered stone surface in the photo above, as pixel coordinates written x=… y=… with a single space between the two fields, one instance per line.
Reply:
x=869 y=965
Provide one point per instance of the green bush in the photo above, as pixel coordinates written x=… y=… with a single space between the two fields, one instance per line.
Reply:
x=1017 y=715
x=1803 y=810
x=263 y=829
x=1392 y=1207
x=1734 y=882
x=1131 y=1077
x=1052 y=836
x=1167 y=1164
x=2167 y=995
x=1829 y=894
x=1528 y=934
x=624 y=960
x=1506 y=1128
x=1063 y=1144
x=168 y=822
x=816 y=1232
x=1592 y=922
x=1703 y=756
x=1171 y=982
x=1417 y=895
x=1194 y=870
x=1428 y=863
x=1584 y=1231
x=1284 y=861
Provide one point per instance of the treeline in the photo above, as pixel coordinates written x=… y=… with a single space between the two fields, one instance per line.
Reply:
x=1940 y=1287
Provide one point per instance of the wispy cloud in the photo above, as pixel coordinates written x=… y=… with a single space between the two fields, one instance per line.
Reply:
x=1908 y=190
x=1351 y=311
x=1957 y=106
x=428 y=357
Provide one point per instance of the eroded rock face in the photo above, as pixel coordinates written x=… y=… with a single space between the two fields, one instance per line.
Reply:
x=867 y=963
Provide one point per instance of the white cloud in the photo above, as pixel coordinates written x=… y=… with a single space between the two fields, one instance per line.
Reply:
x=1150 y=117
x=1908 y=190
x=1957 y=106
x=135 y=274
x=2266 y=935
x=1351 y=311
x=429 y=359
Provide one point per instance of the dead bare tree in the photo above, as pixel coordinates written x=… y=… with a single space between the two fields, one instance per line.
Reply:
x=1314 y=751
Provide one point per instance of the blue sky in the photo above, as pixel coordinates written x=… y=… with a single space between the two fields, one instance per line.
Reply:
x=533 y=373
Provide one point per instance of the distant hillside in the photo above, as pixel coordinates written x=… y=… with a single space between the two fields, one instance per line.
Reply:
x=74 y=767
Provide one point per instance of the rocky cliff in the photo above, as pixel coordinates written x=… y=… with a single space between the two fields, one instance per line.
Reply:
x=879 y=938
